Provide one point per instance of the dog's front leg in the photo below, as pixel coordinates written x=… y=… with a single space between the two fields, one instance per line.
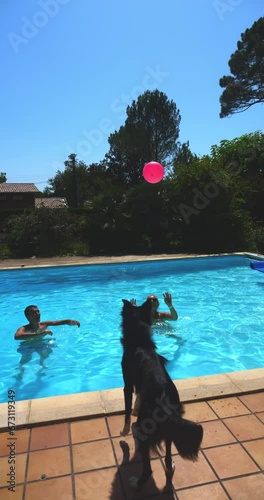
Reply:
x=128 y=391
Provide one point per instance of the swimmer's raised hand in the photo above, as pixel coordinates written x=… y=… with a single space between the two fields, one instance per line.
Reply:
x=167 y=298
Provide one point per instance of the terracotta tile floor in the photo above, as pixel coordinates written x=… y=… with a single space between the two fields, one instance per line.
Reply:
x=83 y=459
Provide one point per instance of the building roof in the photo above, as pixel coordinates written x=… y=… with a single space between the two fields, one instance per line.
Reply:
x=50 y=202
x=18 y=187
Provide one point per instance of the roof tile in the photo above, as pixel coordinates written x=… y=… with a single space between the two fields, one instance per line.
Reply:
x=18 y=187
x=50 y=202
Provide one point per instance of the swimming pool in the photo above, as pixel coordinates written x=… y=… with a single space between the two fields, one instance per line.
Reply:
x=220 y=327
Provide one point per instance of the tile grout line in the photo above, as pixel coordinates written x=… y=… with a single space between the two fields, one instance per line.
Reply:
x=71 y=461
x=246 y=405
x=257 y=416
x=27 y=465
x=248 y=474
x=208 y=483
x=116 y=460
x=219 y=480
x=211 y=467
x=239 y=442
x=224 y=419
x=249 y=455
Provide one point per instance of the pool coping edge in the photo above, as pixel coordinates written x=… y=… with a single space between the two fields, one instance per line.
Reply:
x=83 y=405
x=38 y=262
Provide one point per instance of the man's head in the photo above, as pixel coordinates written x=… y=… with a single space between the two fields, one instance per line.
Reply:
x=32 y=313
x=154 y=302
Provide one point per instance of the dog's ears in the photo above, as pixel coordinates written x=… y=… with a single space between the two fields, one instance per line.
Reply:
x=126 y=302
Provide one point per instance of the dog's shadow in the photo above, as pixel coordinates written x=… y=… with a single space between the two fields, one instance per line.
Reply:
x=131 y=466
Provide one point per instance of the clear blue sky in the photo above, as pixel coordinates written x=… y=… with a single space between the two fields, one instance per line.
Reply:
x=70 y=68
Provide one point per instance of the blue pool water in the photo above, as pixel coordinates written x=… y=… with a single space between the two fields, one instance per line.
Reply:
x=220 y=327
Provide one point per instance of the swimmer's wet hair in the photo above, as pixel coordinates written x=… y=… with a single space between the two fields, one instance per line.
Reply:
x=27 y=309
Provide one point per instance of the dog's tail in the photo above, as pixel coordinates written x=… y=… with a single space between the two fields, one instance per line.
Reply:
x=187 y=437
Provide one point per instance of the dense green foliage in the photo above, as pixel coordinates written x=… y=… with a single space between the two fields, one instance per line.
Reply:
x=246 y=86
x=40 y=232
x=210 y=204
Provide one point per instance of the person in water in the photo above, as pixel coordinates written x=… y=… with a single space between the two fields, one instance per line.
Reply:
x=156 y=315
x=33 y=334
x=36 y=328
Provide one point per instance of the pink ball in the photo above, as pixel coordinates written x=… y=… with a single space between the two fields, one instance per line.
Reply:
x=153 y=172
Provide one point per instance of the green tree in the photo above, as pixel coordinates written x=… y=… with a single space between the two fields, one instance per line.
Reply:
x=246 y=86
x=142 y=206
x=78 y=183
x=184 y=156
x=243 y=159
x=2 y=177
x=211 y=204
x=150 y=133
x=242 y=156
x=42 y=232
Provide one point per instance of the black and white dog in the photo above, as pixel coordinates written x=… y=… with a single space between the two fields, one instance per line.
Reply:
x=160 y=412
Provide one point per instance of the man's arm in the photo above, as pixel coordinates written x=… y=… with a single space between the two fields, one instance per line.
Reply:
x=22 y=333
x=70 y=322
x=173 y=313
